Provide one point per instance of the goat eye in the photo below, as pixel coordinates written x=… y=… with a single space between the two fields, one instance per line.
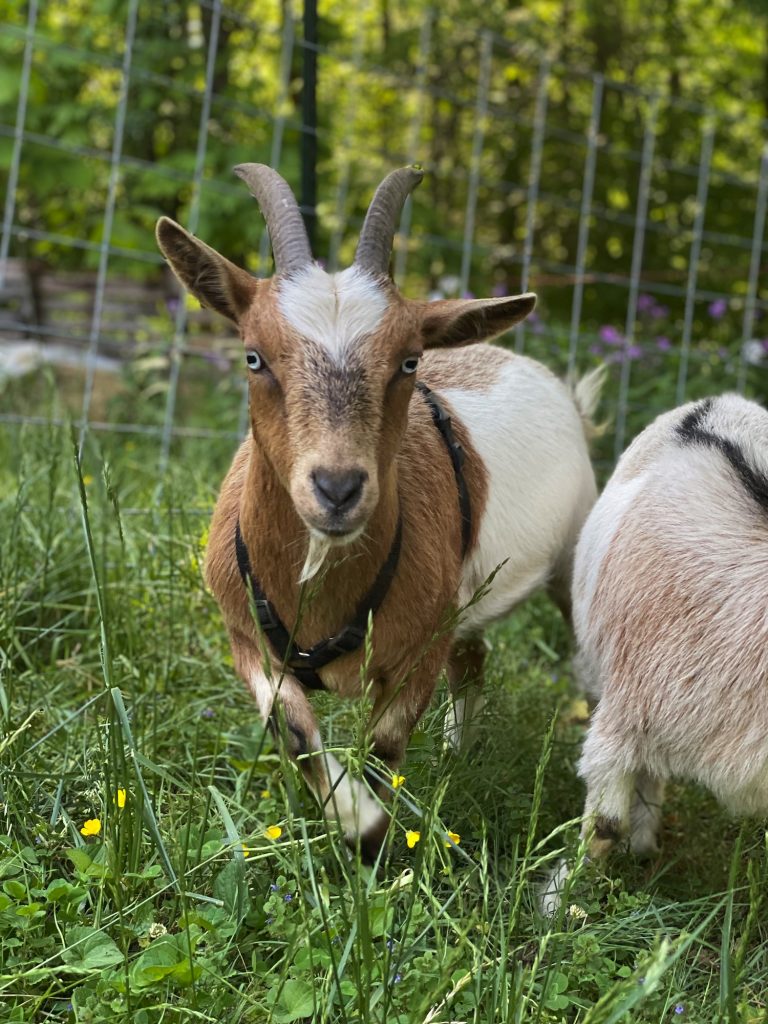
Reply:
x=253 y=360
x=410 y=365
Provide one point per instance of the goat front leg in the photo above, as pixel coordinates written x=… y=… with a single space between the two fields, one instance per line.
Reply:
x=396 y=711
x=340 y=796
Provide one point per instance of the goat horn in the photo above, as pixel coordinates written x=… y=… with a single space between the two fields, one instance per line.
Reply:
x=378 y=233
x=290 y=244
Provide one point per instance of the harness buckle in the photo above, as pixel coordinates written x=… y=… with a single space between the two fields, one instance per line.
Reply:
x=349 y=639
x=265 y=614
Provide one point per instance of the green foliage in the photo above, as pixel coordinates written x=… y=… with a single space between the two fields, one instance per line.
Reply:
x=373 y=114
x=181 y=906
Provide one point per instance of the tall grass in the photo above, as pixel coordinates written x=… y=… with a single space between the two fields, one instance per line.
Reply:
x=119 y=704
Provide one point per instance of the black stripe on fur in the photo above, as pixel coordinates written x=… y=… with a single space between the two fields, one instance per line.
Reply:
x=691 y=431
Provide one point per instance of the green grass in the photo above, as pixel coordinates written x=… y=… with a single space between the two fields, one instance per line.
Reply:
x=116 y=675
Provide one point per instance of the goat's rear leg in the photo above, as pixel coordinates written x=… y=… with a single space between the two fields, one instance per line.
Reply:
x=645 y=815
x=466 y=672
x=610 y=787
x=608 y=810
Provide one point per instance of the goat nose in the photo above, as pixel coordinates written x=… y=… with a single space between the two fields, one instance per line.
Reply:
x=339 y=491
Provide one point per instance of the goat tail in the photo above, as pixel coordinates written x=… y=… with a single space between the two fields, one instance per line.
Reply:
x=586 y=392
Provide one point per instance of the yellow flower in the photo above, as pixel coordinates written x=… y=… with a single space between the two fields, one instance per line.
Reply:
x=246 y=851
x=92 y=827
x=121 y=798
x=412 y=838
x=265 y=794
x=454 y=837
x=87 y=480
x=273 y=832
x=397 y=781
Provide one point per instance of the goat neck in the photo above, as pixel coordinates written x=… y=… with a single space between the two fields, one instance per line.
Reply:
x=277 y=542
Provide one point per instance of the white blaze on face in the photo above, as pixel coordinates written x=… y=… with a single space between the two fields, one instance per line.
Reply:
x=332 y=310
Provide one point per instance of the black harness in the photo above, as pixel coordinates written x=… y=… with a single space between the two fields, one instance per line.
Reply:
x=306 y=664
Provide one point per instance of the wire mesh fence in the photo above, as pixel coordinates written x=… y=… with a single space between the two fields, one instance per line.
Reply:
x=638 y=216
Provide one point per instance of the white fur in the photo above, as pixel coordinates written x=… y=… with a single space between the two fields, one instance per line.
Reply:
x=696 y=708
x=349 y=801
x=264 y=689
x=528 y=433
x=332 y=310
x=318 y=546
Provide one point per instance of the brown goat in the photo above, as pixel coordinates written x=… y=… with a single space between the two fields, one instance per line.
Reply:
x=344 y=472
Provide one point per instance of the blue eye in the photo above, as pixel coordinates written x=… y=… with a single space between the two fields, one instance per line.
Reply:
x=410 y=365
x=253 y=360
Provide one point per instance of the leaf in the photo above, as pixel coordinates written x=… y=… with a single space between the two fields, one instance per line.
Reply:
x=60 y=890
x=15 y=889
x=28 y=909
x=80 y=858
x=85 y=863
x=231 y=888
x=90 y=950
x=297 y=1000
x=155 y=964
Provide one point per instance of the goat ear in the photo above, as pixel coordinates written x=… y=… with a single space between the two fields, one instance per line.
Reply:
x=452 y=322
x=213 y=280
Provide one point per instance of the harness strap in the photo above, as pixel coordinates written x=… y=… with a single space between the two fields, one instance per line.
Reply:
x=443 y=423
x=305 y=664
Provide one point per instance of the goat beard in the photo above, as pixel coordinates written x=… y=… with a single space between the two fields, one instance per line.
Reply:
x=317 y=552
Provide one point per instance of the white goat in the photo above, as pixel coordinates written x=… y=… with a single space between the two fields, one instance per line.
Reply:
x=670 y=605
x=352 y=463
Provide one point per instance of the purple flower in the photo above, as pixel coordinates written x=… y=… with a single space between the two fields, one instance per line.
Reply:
x=173 y=305
x=679 y=1008
x=645 y=302
x=467 y=295
x=274 y=888
x=659 y=312
x=207 y=713
x=287 y=898
x=390 y=944
x=634 y=352
x=717 y=311
x=596 y=350
x=499 y=289
x=610 y=335
x=663 y=344
x=397 y=978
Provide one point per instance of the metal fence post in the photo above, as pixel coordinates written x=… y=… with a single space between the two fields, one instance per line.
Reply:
x=641 y=216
